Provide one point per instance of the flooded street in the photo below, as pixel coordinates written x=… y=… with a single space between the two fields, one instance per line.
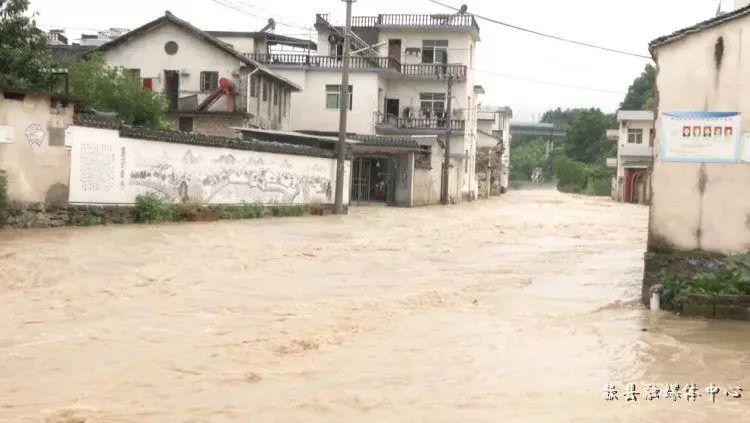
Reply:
x=514 y=309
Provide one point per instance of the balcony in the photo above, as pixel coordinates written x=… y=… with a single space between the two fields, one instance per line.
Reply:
x=394 y=21
x=419 y=71
x=327 y=62
x=434 y=70
x=639 y=150
x=390 y=124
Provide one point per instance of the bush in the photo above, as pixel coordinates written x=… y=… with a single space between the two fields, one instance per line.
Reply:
x=180 y=212
x=290 y=210
x=91 y=220
x=151 y=207
x=729 y=278
x=3 y=189
x=245 y=211
x=571 y=175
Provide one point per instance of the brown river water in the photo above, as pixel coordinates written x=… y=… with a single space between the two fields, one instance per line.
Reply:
x=514 y=309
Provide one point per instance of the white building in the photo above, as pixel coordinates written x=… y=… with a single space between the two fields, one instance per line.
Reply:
x=635 y=156
x=397 y=85
x=493 y=140
x=210 y=86
x=102 y=37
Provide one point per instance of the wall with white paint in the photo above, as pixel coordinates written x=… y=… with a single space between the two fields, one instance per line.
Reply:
x=32 y=148
x=109 y=169
x=702 y=205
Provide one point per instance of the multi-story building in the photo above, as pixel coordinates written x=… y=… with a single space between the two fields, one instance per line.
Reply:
x=493 y=149
x=56 y=37
x=635 y=156
x=102 y=37
x=210 y=86
x=400 y=68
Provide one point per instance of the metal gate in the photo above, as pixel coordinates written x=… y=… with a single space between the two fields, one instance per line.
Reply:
x=372 y=180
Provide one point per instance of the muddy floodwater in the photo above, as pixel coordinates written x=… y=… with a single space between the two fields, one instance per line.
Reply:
x=514 y=309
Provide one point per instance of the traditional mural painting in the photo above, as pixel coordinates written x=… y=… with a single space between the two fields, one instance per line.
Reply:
x=116 y=170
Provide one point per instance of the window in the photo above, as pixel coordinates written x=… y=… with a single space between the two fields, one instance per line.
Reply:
x=186 y=124
x=432 y=105
x=435 y=51
x=333 y=96
x=265 y=90
x=253 y=87
x=635 y=136
x=133 y=72
x=209 y=81
x=171 y=48
x=275 y=95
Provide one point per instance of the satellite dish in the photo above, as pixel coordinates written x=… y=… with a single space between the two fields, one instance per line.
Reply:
x=464 y=8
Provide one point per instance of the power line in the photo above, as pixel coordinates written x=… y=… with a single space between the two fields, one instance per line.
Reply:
x=556 y=84
x=241 y=9
x=541 y=34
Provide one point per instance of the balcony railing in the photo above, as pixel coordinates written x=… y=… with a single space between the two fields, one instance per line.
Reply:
x=452 y=21
x=434 y=70
x=332 y=62
x=428 y=70
x=417 y=123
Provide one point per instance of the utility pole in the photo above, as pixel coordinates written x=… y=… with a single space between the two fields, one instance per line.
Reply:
x=449 y=130
x=344 y=106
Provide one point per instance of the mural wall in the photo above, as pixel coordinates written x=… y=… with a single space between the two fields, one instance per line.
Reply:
x=107 y=169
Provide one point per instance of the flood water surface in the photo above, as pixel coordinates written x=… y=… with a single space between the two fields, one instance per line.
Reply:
x=514 y=309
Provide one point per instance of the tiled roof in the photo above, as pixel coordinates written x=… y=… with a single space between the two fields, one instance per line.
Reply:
x=386 y=141
x=103 y=122
x=718 y=20
x=66 y=52
x=169 y=17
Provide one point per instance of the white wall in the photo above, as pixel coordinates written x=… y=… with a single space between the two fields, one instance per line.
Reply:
x=195 y=55
x=694 y=205
x=36 y=170
x=309 y=107
x=243 y=44
x=108 y=169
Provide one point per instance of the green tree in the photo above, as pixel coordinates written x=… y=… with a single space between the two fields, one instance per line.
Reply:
x=641 y=93
x=96 y=86
x=586 y=134
x=527 y=157
x=25 y=61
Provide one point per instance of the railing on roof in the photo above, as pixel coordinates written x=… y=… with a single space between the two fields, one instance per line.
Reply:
x=328 y=62
x=394 y=20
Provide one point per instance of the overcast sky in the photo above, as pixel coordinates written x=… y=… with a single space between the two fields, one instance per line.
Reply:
x=514 y=57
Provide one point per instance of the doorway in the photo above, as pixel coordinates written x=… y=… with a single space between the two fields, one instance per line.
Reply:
x=372 y=180
x=394 y=50
x=391 y=106
x=172 y=88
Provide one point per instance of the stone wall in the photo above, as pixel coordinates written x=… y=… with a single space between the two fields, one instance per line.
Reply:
x=39 y=215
